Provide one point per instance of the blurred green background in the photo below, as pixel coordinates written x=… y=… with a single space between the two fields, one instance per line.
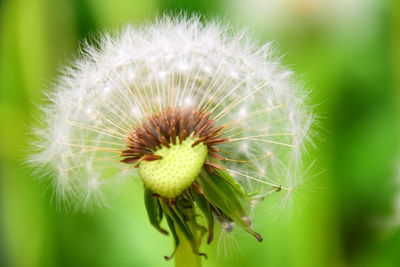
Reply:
x=346 y=51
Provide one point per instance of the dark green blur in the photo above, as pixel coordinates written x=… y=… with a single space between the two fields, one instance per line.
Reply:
x=346 y=52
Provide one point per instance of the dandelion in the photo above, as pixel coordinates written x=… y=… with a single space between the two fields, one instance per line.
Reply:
x=206 y=119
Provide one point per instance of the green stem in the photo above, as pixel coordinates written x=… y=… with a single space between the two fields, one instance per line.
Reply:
x=184 y=255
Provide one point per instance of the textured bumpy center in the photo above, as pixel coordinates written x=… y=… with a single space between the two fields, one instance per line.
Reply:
x=171 y=147
x=178 y=169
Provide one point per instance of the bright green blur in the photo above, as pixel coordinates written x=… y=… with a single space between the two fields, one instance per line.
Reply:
x=346 y=52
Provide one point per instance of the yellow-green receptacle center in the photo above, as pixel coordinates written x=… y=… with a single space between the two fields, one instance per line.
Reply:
x=177 y=170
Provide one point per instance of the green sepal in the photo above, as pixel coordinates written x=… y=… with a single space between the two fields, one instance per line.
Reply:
x=228 y=197
x=154 y=210
x=204 y=206
x=228 y=178
x=171 y=226
x=179 y=221
x=185 y=206
x=223 y=195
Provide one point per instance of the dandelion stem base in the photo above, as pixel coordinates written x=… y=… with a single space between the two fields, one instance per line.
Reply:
x=184 y=255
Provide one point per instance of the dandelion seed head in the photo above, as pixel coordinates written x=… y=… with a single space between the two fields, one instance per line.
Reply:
x=178 y=64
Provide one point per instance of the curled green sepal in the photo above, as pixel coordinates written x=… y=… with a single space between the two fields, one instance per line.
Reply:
x=225 y=194
x=186 y=225
x=174 y=234
x=154 y=210
x=205 y=208
x=185 y=207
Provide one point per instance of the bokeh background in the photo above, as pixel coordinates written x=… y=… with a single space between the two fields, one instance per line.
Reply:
x=346 y=51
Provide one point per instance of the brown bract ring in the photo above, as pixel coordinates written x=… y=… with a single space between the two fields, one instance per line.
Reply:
x=172 y=126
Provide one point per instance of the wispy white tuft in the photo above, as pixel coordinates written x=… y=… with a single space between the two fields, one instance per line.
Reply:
x=174 y=62
x=228 y=244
